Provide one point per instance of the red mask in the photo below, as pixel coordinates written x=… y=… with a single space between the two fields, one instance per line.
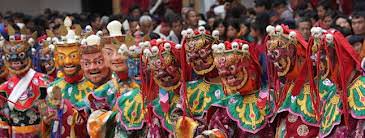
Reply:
x=199 y=53
x=237 y=69
x=164 y=65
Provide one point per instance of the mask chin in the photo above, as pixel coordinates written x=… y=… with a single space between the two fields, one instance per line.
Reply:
x=104 y=78
x=168 y=84
x=239 y=80
x=22 y=70
x=77 y=70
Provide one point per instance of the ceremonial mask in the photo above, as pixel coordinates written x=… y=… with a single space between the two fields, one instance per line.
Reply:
x=281 y=49
x=116 y=61
x=198 y=50
x=17 y=52
x=236 y=66
x=67 y=55
x=93 y=62
x=164 y=64
x=46 y=56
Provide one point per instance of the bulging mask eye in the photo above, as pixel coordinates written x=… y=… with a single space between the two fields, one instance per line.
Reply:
x=21 y=55
x=158 y=63
x=232 y=68
x=7 y=57
x=99 y=62
x=222 y=60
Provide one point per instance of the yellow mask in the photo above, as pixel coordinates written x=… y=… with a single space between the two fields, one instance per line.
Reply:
x=67 y=59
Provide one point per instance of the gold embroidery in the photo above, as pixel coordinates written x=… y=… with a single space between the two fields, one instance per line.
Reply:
x=174 y=100
x=82 y=90
x=356 y=87
x=332 y=110
x=201 y=88
x=303 y=130
x=250 y=101
x=303 y=103
x=131 y=117
x=79 y=96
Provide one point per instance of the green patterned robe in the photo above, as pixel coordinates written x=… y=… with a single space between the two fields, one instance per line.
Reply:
x=75 y=106
x=201 y=95
x=302 y=106
x=167 y=118
x=74 y=92
x=245 y=111
x=356 y=98
x=107 y=94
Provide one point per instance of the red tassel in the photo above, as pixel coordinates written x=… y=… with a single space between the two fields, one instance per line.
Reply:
x=343 y=87
x=149 y=113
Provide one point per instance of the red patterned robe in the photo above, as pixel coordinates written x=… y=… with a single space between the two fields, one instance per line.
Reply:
x=24 y=119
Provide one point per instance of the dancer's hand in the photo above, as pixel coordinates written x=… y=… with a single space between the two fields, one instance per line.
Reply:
x=51 y=116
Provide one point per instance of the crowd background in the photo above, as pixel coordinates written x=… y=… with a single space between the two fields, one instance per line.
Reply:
x=230 y=17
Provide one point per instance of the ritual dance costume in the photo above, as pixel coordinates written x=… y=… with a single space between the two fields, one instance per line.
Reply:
x=3 y=69
x=73 y=113
x=204 y=89
x=118 y=106
x=23 y=92
x=247 y=107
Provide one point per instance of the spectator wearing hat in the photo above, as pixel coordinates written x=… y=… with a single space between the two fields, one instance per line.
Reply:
x=356 y=41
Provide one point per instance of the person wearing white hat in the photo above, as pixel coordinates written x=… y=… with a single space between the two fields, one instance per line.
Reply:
x=73 y=87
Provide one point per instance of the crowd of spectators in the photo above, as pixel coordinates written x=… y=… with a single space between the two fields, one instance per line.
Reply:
x=230 y=17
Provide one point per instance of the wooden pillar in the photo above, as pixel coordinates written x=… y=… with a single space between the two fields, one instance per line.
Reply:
x=196 y=4
x=116 y=6
x=186 y=3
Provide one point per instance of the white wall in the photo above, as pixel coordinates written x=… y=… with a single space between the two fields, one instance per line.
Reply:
x=62 y=5
x=35 y=7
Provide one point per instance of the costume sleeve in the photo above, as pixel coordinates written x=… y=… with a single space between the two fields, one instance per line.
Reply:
x=73 y=121
x=101 y=123
x=102 y=97
x=4 y=112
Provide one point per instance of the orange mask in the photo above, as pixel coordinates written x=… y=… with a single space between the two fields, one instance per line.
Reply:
x=67 y=59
